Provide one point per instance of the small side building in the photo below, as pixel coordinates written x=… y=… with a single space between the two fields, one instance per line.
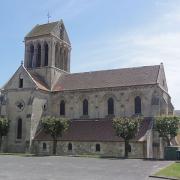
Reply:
x=95 y=136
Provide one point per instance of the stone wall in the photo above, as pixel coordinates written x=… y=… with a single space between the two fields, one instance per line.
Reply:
x=123 y=101
x=115 y=149
x=33 y=106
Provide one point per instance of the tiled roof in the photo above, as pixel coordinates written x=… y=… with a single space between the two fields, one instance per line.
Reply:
x=93 y=130
x=39 y=82
x=42 y=29
x=109 y=78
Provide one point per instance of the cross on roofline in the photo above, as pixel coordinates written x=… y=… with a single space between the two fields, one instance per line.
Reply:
x=48 y=16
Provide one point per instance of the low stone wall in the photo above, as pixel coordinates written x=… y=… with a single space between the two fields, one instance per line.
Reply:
x=115 y=149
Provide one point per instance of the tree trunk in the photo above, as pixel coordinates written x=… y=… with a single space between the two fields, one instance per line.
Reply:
x=0 y=143
x=54 y=146
x=168 y=141
x=126 y=148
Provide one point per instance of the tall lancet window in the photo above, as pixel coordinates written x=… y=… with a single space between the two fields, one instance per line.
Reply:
x=19 y=128
x=31 y=55
x=38 y=59
x=61 y=58
x=85 y=107
x=110 y=106
x=65 y=59
x=46 y=49
x=62 y=108
x=57 y=56
x=20 y=82
x=137 y=104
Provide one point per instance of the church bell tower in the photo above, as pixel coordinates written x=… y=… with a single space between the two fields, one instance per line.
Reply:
x=47 y=51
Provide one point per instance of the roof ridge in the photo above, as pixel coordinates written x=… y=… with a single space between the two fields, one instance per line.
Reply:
x=138 y=67
x=49 y=23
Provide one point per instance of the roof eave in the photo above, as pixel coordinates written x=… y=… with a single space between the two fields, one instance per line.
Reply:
x=96 y=88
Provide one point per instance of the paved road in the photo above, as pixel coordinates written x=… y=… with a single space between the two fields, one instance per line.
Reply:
x=75 y=168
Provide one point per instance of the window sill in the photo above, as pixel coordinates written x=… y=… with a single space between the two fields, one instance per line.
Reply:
x=63 y=116
x=18 y=141
x=137 y=115
x=110 y=116
x=84 y=117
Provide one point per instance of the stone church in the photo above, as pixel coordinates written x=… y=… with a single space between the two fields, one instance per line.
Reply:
x=43 y=85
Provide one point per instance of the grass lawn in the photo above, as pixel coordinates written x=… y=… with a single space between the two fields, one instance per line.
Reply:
x=171 y=171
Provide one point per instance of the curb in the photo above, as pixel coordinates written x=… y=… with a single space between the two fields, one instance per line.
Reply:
x=163 y=177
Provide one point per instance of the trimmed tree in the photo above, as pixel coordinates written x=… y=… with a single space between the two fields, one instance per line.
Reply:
x=4 y=127
x=167 y=127
x=127 y=129
x=55 y=126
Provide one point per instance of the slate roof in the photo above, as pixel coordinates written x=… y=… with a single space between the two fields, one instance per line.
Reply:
x=108 y=78
x=146 y=75
x=39 y=82
x=42 y=29
x=94 y=130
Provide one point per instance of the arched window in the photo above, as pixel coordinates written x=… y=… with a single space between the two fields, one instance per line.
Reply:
x=61 y=58
x=137 y=104
x=20 y=82
x=110 y=106
x=38 y=59
x=19 y=129
x=85 y=107
x=31 y=56
x=98 y=148
x=65 y=59
x=44 y=146
x=62 y=108
x=57 y=56
x=70 y=147
x=129 y=148
x=46 y=49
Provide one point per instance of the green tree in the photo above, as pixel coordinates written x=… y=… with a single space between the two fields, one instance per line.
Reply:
x=4 y=127
x=167 y=127
x=127 y=129
x=55 y=126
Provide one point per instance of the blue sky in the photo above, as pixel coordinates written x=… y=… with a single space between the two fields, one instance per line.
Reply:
x=104 y=34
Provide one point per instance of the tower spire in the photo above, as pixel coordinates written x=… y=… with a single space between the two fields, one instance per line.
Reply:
x=48 y=16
